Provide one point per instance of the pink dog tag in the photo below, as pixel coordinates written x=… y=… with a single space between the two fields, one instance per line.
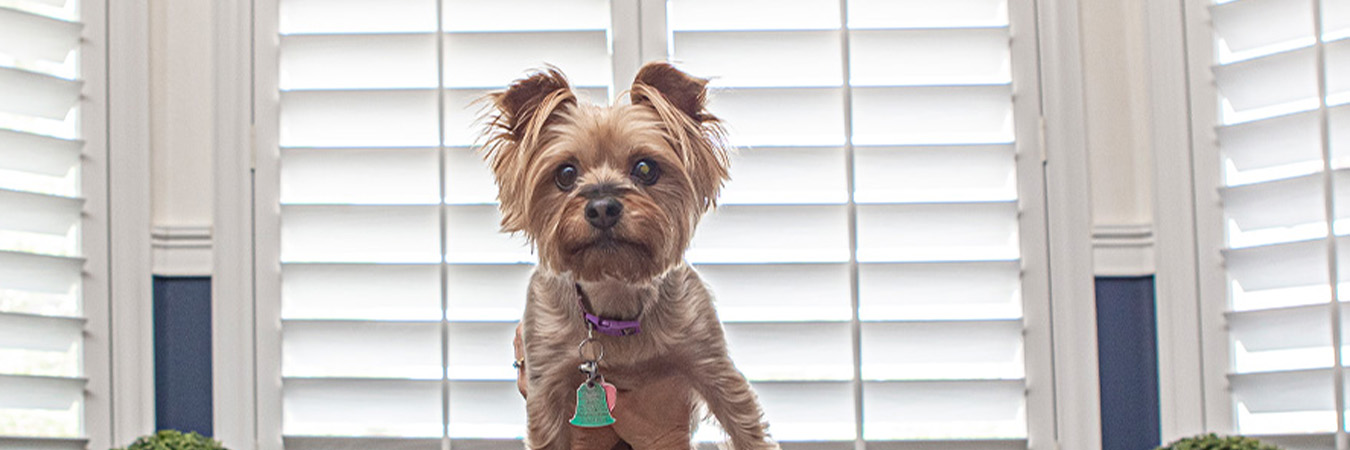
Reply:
x=611 y=394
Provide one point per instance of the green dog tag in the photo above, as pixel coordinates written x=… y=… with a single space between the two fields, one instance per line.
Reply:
x=592 y=407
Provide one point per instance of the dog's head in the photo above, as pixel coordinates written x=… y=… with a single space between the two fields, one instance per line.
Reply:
x=606 y=192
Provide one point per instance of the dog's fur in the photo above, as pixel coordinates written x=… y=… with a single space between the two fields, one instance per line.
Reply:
x=634 y=270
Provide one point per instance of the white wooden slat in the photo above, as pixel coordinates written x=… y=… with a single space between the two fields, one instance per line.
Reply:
x=942 y=350
x=769 y=234
x=41 y=333
x=1339 y=125
x=720 y=15
x=1256 y=27
x=1335 y=19
x=929 y=410
x=34 y=153
x=409 y=292
x=493 y=59
x=359 y=176
x=927 y=14
x=486 y=410
x=486 y=292
x=1278 y=211
x=1277 y=275
x=358 y=61
x=779 y=292
x=1268 y=86
x=38 y=213
x=361 y=349
x=481 y=351
x=360 y=407
x=472 y=236
x=945 y=291
x=34 y=94
x=1282 y=402
x=787 y=175
x=930 y=57
x=1291 y=338
x=468 y=181
x=1338 y=71
x=1272 y=143
x=356 y=16
x=359 y=118
x=42 y=273
x=938 y=232
x=385 y=234
x=791 y=351
x=801 y=116
x=938 y=174
x=464 y=109
x=932 y=115
x=811 y=411
x=525 y=15
x=32 y=36
x=762 y=58
x=43 y=393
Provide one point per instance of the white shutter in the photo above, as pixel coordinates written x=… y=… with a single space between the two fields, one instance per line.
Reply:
x=1278 y=89
x=398 y=297
x=876 y=178
x=41 y=314
x=867 y=256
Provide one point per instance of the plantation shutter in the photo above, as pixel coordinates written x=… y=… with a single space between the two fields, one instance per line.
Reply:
x=1283 y=137
x=41 y=315
x=866 y=255
x=398 y=296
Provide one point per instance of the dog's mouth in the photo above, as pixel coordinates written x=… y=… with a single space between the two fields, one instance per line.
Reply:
x=608 y=242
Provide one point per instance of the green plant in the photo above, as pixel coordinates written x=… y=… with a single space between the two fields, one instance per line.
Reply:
x=1215 y=442
x=174 y=440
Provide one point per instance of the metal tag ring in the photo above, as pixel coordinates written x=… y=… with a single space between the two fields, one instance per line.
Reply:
x=599 y=350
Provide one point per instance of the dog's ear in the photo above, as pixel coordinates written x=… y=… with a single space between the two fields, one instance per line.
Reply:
x=680 y=100
x=515 y=125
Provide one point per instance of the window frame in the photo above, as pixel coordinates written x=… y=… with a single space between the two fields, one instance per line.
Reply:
x=1063 y=409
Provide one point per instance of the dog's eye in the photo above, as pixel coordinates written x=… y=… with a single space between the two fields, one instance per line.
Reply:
x=566 y=177
x=647 y=171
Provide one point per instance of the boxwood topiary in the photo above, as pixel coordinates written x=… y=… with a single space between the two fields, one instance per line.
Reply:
x=174 y=440
x=1214 y=442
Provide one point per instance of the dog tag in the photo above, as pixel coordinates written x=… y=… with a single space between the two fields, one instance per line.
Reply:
x=611 y=394
x=592 y=406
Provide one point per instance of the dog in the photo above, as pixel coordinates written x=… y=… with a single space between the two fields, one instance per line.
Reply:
x=609 y=197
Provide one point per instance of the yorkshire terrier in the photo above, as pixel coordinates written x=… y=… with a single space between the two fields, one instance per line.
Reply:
x=609 y=197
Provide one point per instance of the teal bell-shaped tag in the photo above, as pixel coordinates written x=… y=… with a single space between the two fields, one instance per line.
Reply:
x=592 y=407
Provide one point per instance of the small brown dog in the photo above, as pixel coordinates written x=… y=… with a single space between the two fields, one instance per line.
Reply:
x=610 y=197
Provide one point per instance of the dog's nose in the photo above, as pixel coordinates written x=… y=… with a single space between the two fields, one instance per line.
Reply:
x=603 y=212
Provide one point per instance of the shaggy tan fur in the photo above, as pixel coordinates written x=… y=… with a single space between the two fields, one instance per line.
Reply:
x=635 y=269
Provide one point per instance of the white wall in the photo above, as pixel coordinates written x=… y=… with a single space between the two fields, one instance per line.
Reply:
x=181 y=130
x=1118 y=136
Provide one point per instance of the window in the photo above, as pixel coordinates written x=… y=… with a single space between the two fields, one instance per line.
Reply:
x=879 y=278
x=1272 y=132
x=47 y=232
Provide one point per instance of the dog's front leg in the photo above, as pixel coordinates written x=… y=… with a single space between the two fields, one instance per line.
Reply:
x=548 y=408
x=733 y=402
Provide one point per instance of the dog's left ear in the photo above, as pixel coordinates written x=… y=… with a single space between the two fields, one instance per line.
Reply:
x=680 y=100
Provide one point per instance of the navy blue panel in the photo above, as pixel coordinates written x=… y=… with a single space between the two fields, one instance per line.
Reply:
x=1128 y=360
x=183 y=354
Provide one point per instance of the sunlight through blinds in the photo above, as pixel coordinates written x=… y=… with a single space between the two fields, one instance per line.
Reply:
x=41 y=315
x=1279 y=180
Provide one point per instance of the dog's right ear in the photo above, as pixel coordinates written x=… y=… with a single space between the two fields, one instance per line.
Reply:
x=516 y=124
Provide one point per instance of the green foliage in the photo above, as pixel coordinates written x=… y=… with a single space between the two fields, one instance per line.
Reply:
x=174 y=440
x=1214 y=442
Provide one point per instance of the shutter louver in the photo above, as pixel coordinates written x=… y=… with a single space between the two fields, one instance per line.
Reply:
x=1275 y=177
x=399 y=296
x=918 y=96
x=41 y=313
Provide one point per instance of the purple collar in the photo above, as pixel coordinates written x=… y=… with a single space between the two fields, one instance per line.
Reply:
x=605 y=326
